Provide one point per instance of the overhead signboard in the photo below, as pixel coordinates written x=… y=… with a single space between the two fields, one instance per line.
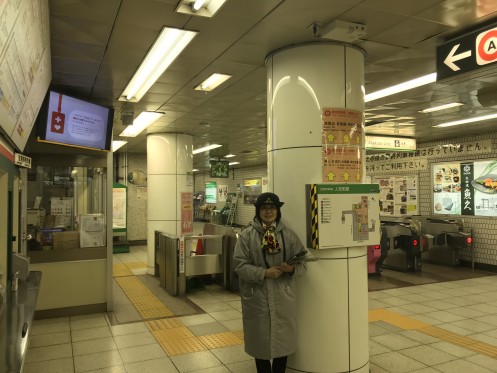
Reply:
x=472 y=52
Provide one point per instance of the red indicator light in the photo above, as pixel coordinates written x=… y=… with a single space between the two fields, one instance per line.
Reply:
x=414 y=242
x=469 y=240
x=377 y=247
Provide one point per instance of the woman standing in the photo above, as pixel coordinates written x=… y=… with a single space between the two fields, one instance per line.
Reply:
x=268 y=286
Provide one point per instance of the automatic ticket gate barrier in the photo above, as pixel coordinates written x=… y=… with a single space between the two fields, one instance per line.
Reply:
x=446 y=238
x=176 y=261
x=402 y=238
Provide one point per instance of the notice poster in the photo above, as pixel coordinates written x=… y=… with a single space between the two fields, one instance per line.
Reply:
x=398 y=195
x=119 y=207
x=222 y=193
x=465 y=188
x=341 y=141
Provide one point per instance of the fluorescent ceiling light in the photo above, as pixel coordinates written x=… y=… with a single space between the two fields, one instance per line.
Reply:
x=166 y=48
x=441 y=107
x=410 y=84
x=195 y=170
x=229 y=156
x=142 y=121
x=206 y=148
x=212 y=82
x=468 y=120
x=203 y=8
x=116 y=144
x=233 y=163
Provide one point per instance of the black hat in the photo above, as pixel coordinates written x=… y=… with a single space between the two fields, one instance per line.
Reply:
x=268 y=199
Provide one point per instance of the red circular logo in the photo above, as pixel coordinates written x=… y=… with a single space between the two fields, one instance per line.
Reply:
x=481 y=46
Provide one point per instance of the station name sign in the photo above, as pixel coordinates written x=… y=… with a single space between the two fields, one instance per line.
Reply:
x=468 y=53
x=390 y=143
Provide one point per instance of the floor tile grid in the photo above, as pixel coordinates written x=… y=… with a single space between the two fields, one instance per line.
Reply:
x=488 y=350
x=436 y=292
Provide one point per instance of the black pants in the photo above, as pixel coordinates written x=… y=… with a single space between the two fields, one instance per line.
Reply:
x=264 y=366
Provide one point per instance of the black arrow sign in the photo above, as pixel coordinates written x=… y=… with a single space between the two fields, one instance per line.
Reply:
x=460 y=55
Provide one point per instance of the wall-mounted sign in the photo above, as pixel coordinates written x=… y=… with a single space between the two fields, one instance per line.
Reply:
x=465 y=188
x=22 y=160
x=390 y=143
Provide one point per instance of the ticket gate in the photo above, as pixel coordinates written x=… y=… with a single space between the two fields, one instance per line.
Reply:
x=178 y=260
x=446 y=237
x=374 y=255
x=401 y=237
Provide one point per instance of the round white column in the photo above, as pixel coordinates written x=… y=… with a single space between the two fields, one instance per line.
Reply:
x=169 y=159
x=333 y=295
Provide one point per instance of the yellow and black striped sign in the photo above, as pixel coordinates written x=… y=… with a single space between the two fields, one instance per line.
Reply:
x=314 y=216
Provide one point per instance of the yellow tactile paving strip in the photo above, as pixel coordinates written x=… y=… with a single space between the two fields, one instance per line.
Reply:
x=145 y=302
x=120 y=270
x=220 y=340
x=135 y=265
x=176 y=339
x=408 y=323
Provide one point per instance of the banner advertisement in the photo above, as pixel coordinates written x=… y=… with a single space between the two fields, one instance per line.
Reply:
x=465 y=188
x=186 y=213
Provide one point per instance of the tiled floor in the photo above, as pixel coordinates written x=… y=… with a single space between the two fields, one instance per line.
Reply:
x=435 y=326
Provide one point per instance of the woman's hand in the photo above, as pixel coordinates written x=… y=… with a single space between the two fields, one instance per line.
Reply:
x=285 y=267
x=273 y=272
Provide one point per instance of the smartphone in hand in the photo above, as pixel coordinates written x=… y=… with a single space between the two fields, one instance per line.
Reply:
x=297 y=257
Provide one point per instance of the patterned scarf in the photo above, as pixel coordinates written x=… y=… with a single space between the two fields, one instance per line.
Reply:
x=269 y=241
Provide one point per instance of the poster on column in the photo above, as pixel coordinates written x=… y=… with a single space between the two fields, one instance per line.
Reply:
x=342 y=132
x=341 y=164
x=186 y=213
x=465 y=188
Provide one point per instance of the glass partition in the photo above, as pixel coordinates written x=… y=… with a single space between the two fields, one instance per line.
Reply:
x=66 y=208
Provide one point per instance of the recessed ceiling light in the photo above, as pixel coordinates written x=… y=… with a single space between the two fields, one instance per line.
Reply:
x=166 y=48
x=141 y=122
x=233 y=163
x=441 y=107
x=465 y=121
x=206 y=148
x=229 y=156
x=212 y=82
x=116 y=144
x=410 y=84
x=202 y=8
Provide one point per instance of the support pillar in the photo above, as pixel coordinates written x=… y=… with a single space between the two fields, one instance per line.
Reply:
x=169 y=159
x=333 y=295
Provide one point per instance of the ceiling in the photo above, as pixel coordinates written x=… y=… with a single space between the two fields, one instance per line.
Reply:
x=97 y=45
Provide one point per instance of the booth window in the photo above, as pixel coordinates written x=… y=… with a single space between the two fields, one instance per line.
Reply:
x=66 y=208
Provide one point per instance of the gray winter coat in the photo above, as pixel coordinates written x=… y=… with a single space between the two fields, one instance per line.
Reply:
x=269 y=306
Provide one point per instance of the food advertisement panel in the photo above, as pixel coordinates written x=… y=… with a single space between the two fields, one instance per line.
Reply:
x=398 y=195
x=465 y=188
